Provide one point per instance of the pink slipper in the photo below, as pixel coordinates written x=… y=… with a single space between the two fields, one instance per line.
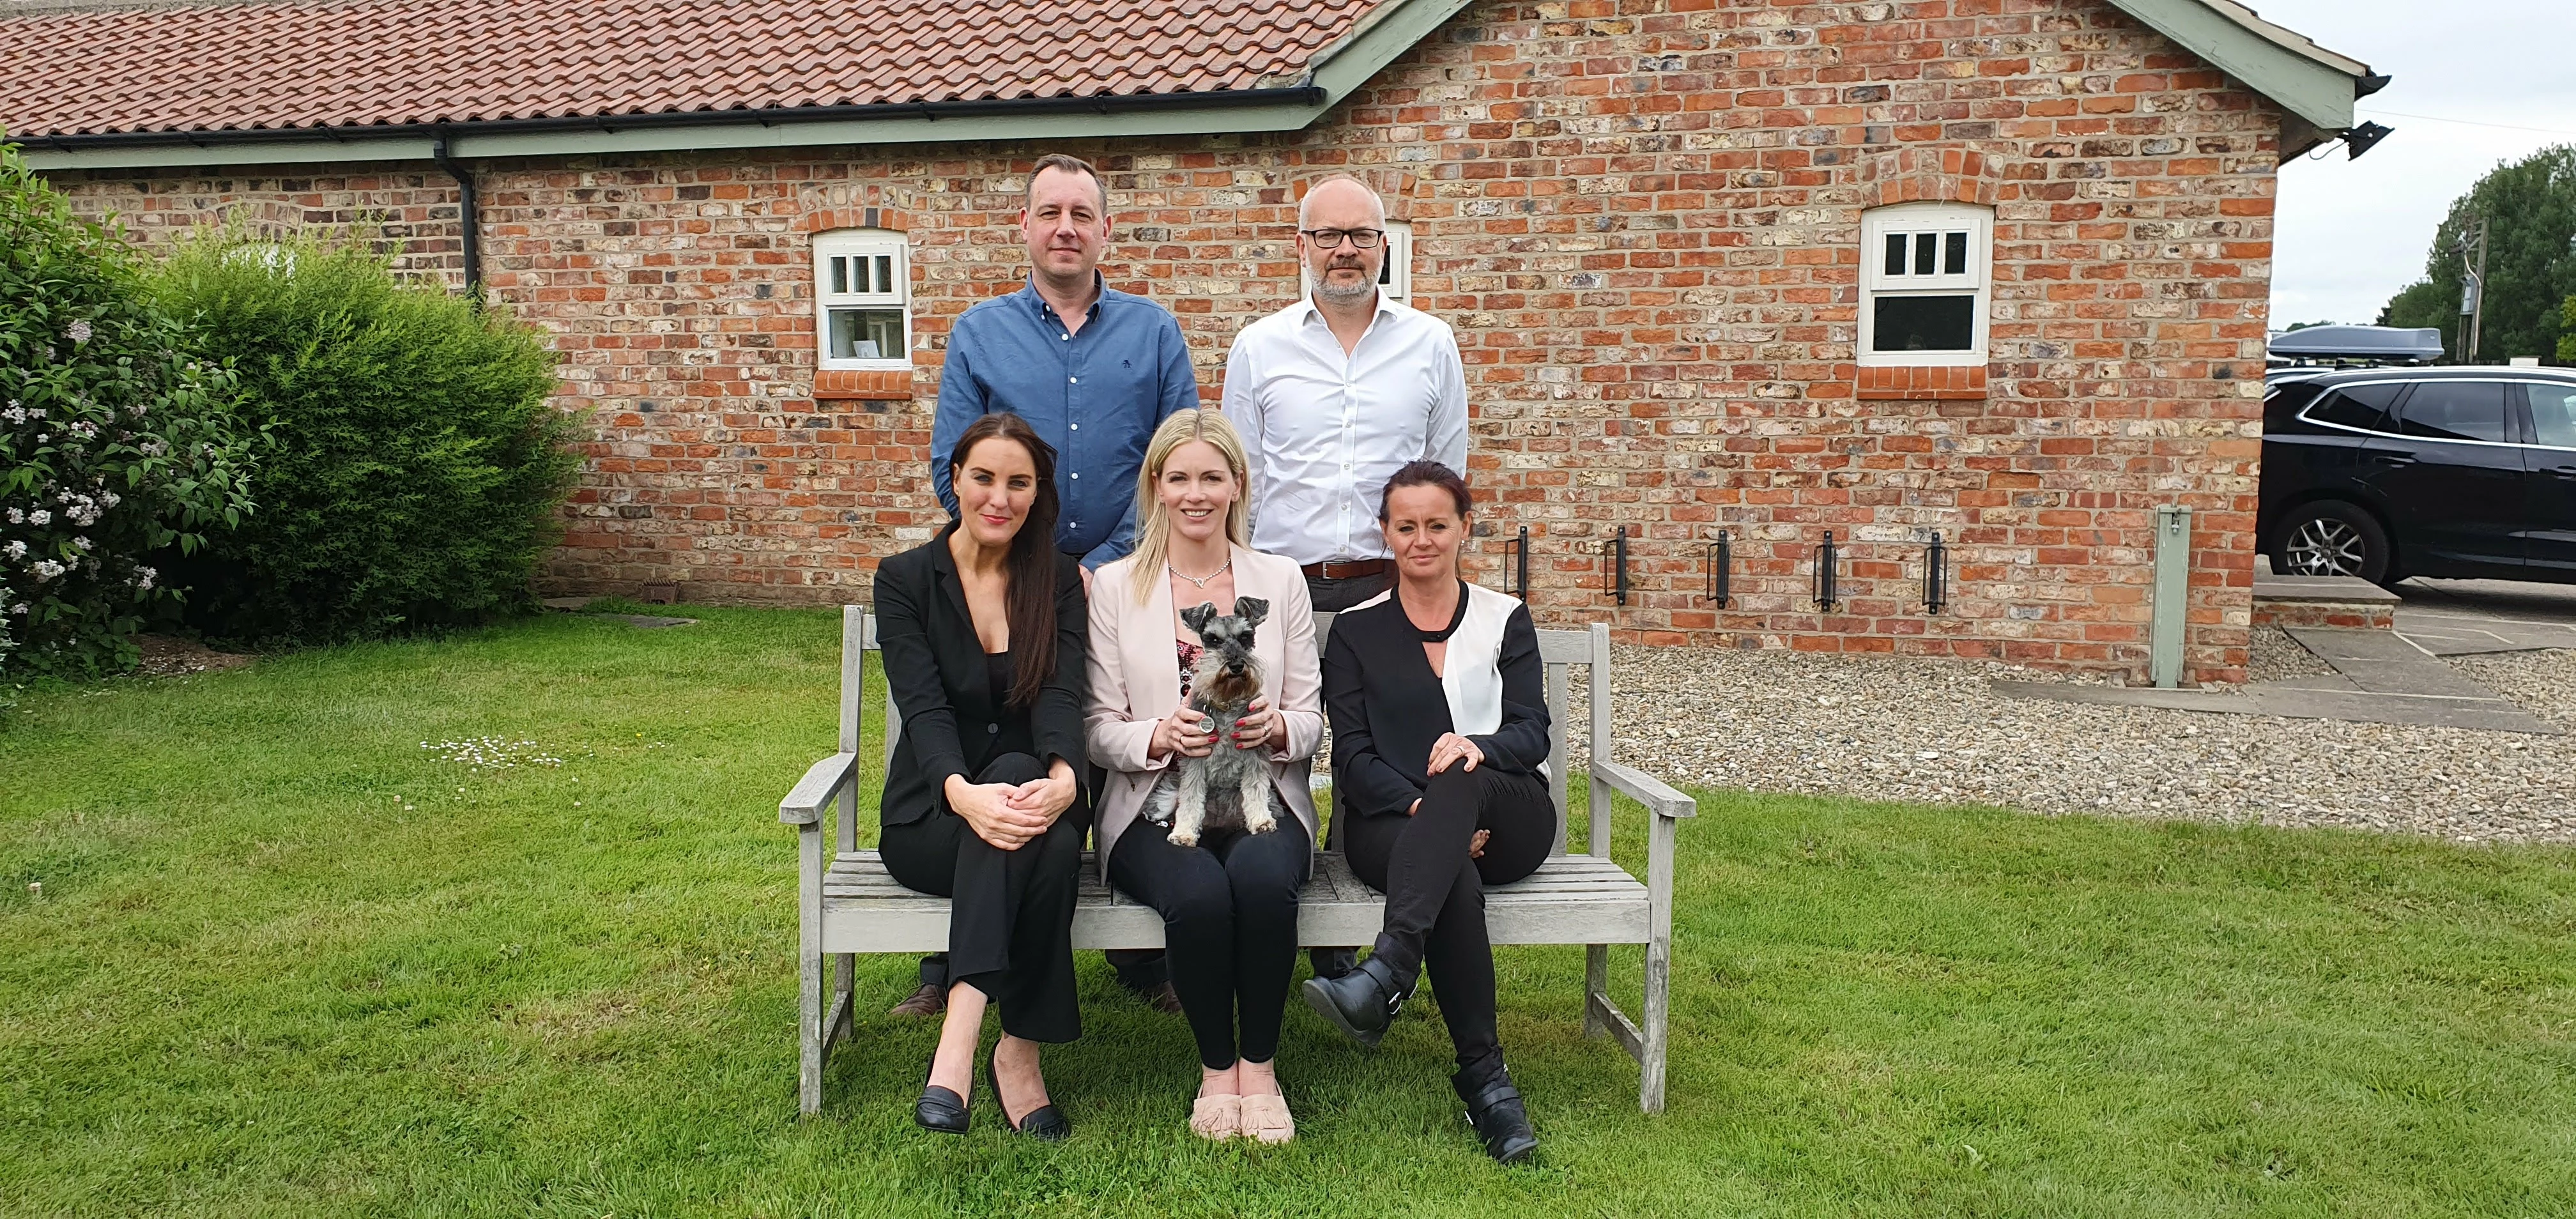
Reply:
x=1266 y=1118
x=1216 y=1118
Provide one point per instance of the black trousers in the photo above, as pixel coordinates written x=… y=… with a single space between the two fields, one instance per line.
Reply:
x=1435 y=894
x=1229 y=908
x=1010 y=913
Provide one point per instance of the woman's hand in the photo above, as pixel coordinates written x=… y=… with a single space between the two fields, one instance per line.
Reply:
x=1452 y=747
x=1047 y=797
x=1186 y=732
x=1262 y=727
x=1476 y=845
x=991 y=811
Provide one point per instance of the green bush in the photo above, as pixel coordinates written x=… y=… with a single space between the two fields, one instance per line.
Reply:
x=115 y=445
x=416 y=466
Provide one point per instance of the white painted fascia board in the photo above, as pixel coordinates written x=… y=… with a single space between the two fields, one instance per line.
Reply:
x=1341 y=66
x=2315 y=84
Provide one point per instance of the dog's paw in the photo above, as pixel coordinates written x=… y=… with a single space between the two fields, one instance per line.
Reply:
x=1183 y=838
x=1261 y=823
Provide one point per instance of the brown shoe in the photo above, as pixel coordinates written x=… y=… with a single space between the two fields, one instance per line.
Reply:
x=1162 y=998
x=930 y=1000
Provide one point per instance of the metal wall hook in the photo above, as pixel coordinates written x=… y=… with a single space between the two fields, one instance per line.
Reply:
x=1825 y=594
x=1615 y=553
x=1719 y=559
x=1936 y=582
x=1520 y=565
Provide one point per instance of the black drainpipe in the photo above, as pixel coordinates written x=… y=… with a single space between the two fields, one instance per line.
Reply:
x=469 y=218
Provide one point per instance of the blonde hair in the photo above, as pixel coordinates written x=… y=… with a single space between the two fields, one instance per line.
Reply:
x=1153 y=520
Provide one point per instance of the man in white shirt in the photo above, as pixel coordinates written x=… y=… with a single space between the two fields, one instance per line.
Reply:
x=1337 y=391
x=1333 y=394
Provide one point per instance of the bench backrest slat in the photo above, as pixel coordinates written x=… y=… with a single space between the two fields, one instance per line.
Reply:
x=1561 y=651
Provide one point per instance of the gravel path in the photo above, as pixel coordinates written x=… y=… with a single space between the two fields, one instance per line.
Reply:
x=1885 y=728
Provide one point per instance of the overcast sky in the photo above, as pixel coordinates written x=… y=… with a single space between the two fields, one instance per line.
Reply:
x=2352 y=233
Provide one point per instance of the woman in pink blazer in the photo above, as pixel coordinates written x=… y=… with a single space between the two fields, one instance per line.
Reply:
x=1229 y=903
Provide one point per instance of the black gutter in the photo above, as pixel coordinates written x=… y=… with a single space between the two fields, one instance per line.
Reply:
x=1295 y=95
x=469 y=216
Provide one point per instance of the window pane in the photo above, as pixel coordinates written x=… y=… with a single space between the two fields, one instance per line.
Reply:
x=1924 y=323
x=840 y=275
x=2361 y=406
x=1895 y=254
x=1923 y=252
x=2553 y=414
x=1954 y=253
x=867 y=334
x=885 y=272
x=2456 y=410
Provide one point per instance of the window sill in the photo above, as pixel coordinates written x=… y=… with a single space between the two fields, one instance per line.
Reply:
x=1940 y=382
x=876 y=383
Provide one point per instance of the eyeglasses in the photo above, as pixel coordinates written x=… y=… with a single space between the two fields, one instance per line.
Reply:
x=1365 y=239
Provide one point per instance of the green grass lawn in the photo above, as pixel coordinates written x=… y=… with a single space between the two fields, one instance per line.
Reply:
x=287 y=961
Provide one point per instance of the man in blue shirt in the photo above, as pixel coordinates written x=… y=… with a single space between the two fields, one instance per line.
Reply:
x=1095 y=371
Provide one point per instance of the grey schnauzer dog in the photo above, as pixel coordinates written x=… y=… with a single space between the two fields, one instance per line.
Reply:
x=1229 y=788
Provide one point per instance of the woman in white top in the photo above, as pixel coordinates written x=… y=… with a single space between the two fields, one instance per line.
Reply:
x=1229 y=902
x=1439 y=755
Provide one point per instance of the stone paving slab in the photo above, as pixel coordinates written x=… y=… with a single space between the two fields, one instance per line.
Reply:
x=2474 y=617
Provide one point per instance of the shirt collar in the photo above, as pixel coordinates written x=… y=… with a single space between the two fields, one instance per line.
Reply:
x=1313 y=313
x=1099 y=296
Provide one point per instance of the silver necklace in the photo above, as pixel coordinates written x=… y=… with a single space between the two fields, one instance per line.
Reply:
x=1200 y=581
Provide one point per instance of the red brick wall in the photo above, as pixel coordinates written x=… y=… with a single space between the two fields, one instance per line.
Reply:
x=1643 y=218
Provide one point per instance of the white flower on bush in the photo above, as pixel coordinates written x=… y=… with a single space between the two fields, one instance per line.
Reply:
x=40 y=517
x=15 y=551
x=85 y=429
x=143 y=578
x=152 y=448
x=46 y=569
x=81 y=544
x=80 y=331
x=15 y=414
x=17 y=517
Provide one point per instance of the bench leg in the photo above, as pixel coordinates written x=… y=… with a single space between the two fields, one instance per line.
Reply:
x=810 y=1032
x=1650 y=1061
x=1596 y=985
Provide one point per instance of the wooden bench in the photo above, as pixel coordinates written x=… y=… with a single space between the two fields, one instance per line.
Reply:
x=847 y=904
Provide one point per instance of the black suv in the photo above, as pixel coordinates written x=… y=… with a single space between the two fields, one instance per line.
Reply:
x=2385 y=473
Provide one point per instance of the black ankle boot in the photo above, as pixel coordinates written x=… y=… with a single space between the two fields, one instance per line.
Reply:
x=1494 y=1109
x=1362 y=1001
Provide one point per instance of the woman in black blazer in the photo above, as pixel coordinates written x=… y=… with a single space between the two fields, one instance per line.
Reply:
x=983 y=638
x=1439 y=712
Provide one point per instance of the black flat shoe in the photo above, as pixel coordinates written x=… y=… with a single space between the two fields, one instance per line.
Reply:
x=941 y=1110
x=1360 y=1002
x=1045 y=1122
x=1494 y=1108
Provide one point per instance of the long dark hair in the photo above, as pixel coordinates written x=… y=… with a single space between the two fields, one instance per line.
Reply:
x=1030 y=568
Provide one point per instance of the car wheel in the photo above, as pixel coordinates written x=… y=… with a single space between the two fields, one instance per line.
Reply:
x=2330 y=538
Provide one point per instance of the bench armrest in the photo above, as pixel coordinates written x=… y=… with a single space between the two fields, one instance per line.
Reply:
x=815 y=792
x=1643 y=788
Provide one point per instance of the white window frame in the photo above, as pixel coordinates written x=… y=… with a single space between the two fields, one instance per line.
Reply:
x=1394 y=277
x=1977 y=278
x=861 y=244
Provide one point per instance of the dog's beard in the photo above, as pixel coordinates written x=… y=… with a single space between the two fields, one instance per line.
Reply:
x=1220 y=687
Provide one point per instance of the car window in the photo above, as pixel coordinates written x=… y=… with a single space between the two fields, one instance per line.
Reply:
x=2456 y=410
x=2361 y=406
x=2553 y=413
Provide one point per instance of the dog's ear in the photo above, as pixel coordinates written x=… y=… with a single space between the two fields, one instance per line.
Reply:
x=1252 y=610
x=1198 y=616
